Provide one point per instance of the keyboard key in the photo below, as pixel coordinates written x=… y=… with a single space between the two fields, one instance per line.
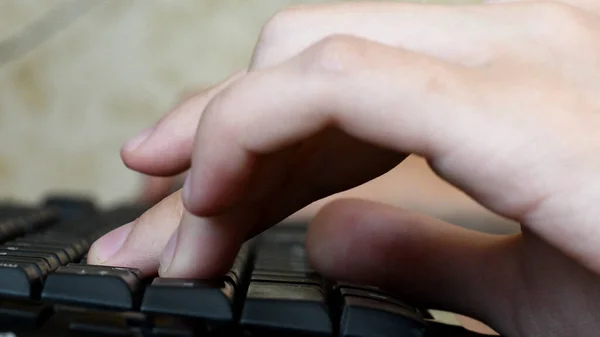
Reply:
x=51 y=259
x=283 y=277
x=99 y=286
x=85 y=322
x=71 y=206
x=212 y=300
x=191 y=298
x=286 y=308
x=70 y=251
x=60 y=254
x=12 y=227
x=76 y=247
x=17 y=223
x=41 y=264
x=20 y=279
x=239 y=269
x=285 y=234
x=373 y=293
x=23 y=314
x=290 y=258
x=169 y=326
x=363 y=317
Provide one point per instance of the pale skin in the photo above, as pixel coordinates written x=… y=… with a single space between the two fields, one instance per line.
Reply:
x=502 y=101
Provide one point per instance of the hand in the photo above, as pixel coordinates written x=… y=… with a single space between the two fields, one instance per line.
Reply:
x=500 y=98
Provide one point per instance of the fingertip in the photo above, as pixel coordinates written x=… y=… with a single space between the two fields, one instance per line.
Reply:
x=370 y=243
x=108 y=245
x=138 y=140
x=139 y=243
x=339 y=230
x=218 y=179
x=201 y=248
x=158 y=158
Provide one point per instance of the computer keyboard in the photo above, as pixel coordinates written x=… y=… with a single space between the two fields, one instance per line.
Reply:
x=48 y=289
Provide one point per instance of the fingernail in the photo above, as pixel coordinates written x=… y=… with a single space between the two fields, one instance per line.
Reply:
x=134 y=143
x=169 y=252
x=109 y=244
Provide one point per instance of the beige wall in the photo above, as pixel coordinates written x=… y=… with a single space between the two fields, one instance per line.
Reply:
x=77 y=78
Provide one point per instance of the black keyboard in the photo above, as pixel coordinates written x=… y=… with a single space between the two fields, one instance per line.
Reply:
x=48 y=289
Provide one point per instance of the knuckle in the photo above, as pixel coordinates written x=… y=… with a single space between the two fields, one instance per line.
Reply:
x=279 y=23
x=279 y=28
x=337 y=54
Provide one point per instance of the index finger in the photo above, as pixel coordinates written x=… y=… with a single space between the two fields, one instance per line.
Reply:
x=270 y=109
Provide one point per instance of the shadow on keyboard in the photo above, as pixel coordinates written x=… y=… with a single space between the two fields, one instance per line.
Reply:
x=47 y=289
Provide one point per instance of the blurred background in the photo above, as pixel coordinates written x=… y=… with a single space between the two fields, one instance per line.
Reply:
x=78 y=78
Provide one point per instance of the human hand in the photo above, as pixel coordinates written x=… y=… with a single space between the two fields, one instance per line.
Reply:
x=474 y=89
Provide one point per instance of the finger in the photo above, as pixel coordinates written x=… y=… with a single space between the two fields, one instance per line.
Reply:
x=445 y=32
x=165 y=148
x=293 y=106
x=268 y=110
x=424 y=260
x=139 y=244
x=202 y=247
x=217 y=239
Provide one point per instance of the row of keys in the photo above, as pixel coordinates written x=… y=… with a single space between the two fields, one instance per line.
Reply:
x=271 y=289
x=42 y=242
x=268 y=290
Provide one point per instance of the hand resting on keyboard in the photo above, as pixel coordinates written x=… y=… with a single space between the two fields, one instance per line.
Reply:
x=501 y=99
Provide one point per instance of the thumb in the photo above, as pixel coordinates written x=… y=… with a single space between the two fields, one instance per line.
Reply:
x=424 y=260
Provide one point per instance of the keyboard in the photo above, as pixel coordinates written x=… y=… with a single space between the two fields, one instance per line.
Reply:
x=48 y=289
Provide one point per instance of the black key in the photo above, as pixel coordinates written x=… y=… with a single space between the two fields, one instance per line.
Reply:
x=85 y=322
x=74 y=247
x=362 y=317
x=69 y=250
x=169 y=326
x=60 y=254
x=23 y=314
x=71 y=206
x=40 y=219
x=212 y=300
x=285 y=234
x=373 y=293
x=24 y=222
x=20 y=279
x=239 y=269
x=98 y=286
x=12 y=227
x=283 y=265
x=290 y=258
x=288 y=308
x=42 y=264
x=282 y=277
x=89 y=267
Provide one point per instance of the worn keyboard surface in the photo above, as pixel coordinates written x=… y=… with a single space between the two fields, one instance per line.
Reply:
x=48 y=289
